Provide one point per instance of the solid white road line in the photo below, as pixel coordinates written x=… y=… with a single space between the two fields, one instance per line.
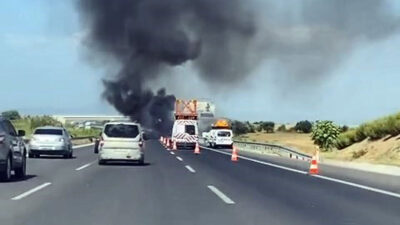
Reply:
x=359 y=186
x=82 y=146
x=172 y=153
x=84 y=166
x=33 y=190
x=190 y=169
x=221 y=195
x=260 y=162
x=179 y=158
x=377 y=190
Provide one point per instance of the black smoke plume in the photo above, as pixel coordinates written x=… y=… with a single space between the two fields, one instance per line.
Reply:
x=225 y=40
x=148 y=36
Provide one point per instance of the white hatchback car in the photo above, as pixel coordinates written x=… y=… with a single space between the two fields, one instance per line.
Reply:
x=121 y=141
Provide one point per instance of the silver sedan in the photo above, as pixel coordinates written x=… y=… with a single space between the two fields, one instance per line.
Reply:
x=50 y=141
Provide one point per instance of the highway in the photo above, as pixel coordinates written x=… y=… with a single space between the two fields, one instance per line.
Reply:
x=182 y=188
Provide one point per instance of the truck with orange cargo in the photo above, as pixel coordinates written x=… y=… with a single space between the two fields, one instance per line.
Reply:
x=220 y=135
x=185 y=128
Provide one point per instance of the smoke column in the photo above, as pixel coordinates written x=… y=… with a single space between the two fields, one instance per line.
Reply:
x=148 y=36
x=225 y=40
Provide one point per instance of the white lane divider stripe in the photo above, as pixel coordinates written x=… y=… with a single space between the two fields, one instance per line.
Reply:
x=190 y=169
x=359 y=186
x=33 y=190
x=260 y=162
x=84 y=166
x=179 y=158
x=221 y=195
x=377 y=190
x=172 y=153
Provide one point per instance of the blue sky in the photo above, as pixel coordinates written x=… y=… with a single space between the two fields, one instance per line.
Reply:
x=43 y=70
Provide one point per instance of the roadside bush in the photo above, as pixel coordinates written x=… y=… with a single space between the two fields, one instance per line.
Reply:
x=344 y=128
x=304 y=126
x=282 y=128
x=251 y=127
x=82 y=132
x=346 y=139
x=239 y=128
x=268 y=126
x=39 y=121
x=377 y=129
x=325 y=134
x=11 y=115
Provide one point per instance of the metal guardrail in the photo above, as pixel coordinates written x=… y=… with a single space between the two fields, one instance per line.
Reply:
x=270 y=149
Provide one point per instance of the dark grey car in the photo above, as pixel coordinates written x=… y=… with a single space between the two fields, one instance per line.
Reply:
x=12 y=151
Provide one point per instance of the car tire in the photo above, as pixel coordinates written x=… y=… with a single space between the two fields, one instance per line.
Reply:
x=5 y=175
x=71 y=154
x=101 y=162
x=20 y=172
x=141 y=161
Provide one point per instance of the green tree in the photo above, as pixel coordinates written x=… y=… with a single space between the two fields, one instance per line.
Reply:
x=282 y=128
x=304 y=126
x=11 y=115
x=250 y=127
x=39 y=121
x=268 y=126
x=239 y=128
x=325 y=134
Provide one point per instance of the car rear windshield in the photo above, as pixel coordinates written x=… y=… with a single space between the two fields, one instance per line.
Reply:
x=224 y=134
x=121 y=130
x=49 y=131
x=190 y=129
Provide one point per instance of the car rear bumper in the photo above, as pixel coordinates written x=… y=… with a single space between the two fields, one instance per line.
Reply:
x=186 y=144
x=125 y=155
x=48 y=147
x=48 y=152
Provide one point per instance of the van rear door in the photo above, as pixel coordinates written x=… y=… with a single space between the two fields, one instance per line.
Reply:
x=121 y=136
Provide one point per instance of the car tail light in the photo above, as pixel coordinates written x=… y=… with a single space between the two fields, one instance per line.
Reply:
x=101 y=143
x=141 y=143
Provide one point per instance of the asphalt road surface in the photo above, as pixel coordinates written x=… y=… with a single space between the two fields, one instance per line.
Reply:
x=183 y=188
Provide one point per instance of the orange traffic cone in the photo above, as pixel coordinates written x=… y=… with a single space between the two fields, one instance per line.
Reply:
x=174 y=146
x=234 y=157
x=197 y=149
x=314 y=166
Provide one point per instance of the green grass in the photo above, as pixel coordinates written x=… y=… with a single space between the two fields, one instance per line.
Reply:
x=377 y=129
x=30 y=123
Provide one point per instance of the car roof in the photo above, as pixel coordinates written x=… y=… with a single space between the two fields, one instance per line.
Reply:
x=50 y=127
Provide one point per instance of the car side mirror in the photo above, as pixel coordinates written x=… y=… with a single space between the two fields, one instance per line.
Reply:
x=21 y=133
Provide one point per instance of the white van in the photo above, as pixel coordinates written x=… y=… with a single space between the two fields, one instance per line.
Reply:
x=185 y=133
x=121 y=141
x=219 y=138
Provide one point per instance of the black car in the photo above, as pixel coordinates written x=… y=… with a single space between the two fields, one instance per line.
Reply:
x=12 y=151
